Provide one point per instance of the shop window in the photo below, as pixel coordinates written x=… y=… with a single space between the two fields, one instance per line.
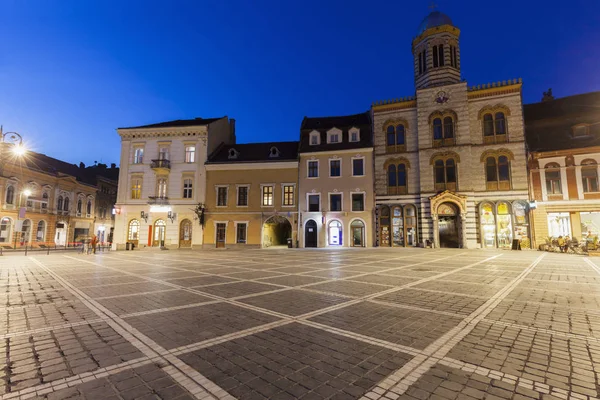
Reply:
x=5 y=230
x=488 y=225
x=397 y=226
x=553 y=184
x=335 y=232
x=504 y=224
x=384 y=227
x=590 y=227
x=559 y=224
x=589 y=176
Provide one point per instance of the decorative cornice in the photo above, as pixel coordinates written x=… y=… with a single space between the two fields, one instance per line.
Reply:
x=394 y=104
x=190 y=133
x=495 y=88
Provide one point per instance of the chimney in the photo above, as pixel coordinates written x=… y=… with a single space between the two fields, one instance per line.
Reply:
x=113 y=165
x=81 y=165
x=232 y=130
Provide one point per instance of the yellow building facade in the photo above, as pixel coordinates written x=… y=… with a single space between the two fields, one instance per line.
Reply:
x=251 y=196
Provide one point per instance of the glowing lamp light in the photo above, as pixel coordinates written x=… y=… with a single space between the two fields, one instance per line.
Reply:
x=27 y=192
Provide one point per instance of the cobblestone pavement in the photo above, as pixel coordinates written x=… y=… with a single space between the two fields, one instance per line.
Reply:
x=310 y=324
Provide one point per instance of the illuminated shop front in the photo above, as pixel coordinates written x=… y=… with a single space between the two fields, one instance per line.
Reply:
x=500 y=222
x=398 y=226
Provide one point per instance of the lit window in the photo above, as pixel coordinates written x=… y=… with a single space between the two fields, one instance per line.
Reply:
x=136 y=188
x=190 y=154
x=267 y=196
x=134 y=230
x=288 y=195
x=138 y=155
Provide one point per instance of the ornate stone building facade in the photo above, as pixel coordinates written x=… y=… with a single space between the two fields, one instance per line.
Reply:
x=162 y=181
x=450 y=161
x=563 y=139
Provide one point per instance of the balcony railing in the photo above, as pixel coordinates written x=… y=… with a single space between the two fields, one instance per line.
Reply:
x=161 y=164
x=158 y=200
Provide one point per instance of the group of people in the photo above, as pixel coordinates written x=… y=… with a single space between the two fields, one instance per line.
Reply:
x=563 y=243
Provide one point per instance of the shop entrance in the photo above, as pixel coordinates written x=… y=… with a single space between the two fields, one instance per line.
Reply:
x=221 y=229
x=448 y=226
x=159 y=233
x=185 y=234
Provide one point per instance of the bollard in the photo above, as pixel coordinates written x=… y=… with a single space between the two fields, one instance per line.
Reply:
x=25 y=249
x=48 y=250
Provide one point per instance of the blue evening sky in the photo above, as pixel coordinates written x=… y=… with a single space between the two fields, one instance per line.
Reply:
x=73 y=71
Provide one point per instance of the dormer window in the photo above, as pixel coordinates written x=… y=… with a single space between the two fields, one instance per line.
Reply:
x=274 y=152
x=354 y=135
x=315 y=138
x=581 y=130
x=233 y=154
x=334 y=136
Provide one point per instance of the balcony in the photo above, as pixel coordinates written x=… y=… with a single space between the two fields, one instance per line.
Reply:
x=161 y=165
x=158 y=200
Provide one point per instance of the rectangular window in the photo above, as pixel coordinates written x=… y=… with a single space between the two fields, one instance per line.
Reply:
x=187 y=188
x=354 y=136
x=334 y=138
x=241 y=233
x=314 y=140
x=335 y=168
x=267 y=196
x=313 y=202
x=163 y=153
x=138 y=155
x=358 y=167
x=161 y=188
x=221 y=197
x=313 y=169
x=190 y=154
x=242 y=198
x=136 y=188
x=288 y=195
x=358 y=202
x=335 y=202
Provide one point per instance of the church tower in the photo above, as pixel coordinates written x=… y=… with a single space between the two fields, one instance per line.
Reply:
x=436 y=52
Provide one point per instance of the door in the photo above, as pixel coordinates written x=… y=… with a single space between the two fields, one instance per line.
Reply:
x=159 y=233
x=185 y=233
x=221 y=230
x=310 y=234
x=448 y=232
x=357 y=237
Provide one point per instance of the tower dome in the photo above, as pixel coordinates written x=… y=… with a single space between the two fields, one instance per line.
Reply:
x=435 y=18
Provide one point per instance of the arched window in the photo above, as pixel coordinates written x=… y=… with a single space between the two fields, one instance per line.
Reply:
x=59 y=203
x=79 y=207
x=88 y=209
x=553 y=184
x=589 y=176
x=437 y=129
x=66 y=204
x=25 y=232
x=448 y=128
x=435 y=57
x=441 y=54
x=41 y=231
x=391 y=136
x=134 y=230
x=497 y=173
x=397 y=179
x=5 y=230
x=10 y=195
x=395 y=138
x=444 y=173
x=488 y=125
x=400 y=135
x=494 y=127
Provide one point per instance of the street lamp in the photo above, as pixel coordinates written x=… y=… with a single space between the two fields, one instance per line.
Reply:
x=14 y=139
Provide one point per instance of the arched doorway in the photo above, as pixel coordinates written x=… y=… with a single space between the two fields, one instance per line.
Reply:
x=334 y=233
x=133 y=233
x=357 y=230
x=310 y=233
x=185 y=233
x=5 y=230
x=25 y=232
x=276 y=231
x=448 y=225
x=160 y=228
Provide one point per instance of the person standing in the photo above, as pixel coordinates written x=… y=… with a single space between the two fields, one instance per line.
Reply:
x=94 y=243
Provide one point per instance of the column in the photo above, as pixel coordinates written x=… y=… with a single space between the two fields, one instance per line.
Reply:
x=436 y=231
x=463 y=229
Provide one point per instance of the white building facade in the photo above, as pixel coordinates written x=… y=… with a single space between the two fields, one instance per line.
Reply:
x=450 y=162
x=162 y=181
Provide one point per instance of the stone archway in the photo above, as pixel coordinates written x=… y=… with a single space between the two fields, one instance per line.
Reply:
x=276 y=231
x=443 y=202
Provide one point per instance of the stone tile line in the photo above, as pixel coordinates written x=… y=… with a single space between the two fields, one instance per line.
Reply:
x=408 y=307
x=50 y=328
x=166 y=309
x=566 y=335
x=398 y=382
x=116 y=296
x=75 y=380
x=540 y=387
x=147 y=346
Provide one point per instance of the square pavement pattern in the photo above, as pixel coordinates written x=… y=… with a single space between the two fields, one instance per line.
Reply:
x=301 y=324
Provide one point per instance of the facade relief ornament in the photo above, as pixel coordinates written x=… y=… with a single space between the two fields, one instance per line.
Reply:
x=448 y=197
x=442 y=97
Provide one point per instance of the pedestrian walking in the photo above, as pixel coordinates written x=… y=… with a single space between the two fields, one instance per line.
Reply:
x=94 y=243
x=561 y=243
